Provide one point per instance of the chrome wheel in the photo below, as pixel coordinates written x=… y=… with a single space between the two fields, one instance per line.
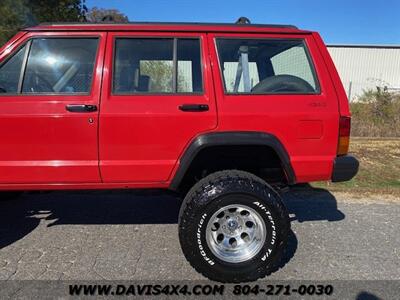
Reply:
x=235 y=233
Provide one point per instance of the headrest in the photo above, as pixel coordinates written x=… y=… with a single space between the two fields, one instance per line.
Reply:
x=144 y=83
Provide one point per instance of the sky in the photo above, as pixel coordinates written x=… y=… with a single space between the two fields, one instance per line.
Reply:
x=338 y=21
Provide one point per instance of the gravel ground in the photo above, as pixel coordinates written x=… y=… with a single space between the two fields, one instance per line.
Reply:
x=133 y=235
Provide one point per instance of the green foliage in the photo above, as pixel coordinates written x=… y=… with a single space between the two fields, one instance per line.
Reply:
x=12 y=16
x=15 y=14
x=98 y=14
x=376 y=114
x=161 y=75
x=57 y=10
x=160 y=72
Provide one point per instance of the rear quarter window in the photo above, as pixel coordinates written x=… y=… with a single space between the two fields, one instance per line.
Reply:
x=266 y=66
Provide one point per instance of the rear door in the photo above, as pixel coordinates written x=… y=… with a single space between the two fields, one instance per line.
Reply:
x=157 y=96
x=49 y=95
x=279 y=84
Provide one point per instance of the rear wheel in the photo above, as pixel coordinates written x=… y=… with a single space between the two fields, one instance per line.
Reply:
x=233 y=227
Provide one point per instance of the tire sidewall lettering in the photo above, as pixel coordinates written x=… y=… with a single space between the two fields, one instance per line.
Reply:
x=267 y=250
x=269 y=217
x=201 y=248
x=224 y=188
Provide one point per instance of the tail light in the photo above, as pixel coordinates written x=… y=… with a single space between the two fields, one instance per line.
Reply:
x=344 y=135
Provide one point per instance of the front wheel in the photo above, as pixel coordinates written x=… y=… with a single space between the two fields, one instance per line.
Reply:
x=233 y=227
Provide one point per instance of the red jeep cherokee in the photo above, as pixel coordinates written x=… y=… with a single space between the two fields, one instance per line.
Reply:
x=224 y=113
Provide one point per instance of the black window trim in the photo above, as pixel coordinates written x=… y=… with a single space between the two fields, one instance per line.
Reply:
x=23 y=66
x=318 y=90
x=174 y=65
x=10 y=55
x=28 y=43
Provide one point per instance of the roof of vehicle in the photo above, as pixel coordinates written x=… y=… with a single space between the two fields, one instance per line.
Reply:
x=160 y=26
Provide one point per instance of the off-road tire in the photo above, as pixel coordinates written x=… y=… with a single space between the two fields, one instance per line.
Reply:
x=219 y=190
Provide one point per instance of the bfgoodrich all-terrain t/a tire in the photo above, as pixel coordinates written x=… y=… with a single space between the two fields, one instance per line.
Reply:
x=233 y=227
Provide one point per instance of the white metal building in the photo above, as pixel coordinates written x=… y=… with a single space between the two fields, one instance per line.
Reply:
x=366 y=66
x=361 y=67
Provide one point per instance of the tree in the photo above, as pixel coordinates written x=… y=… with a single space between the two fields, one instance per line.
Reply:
x=100 y=15
x=15 y=14
x=57 y=10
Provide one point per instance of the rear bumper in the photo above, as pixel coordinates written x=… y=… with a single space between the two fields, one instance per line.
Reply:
x=344 y=168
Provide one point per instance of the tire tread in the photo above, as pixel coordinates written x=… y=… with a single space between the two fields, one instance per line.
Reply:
x=196 y=198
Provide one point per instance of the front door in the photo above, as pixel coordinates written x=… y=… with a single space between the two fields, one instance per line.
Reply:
x=157 y=96
x=49 y=95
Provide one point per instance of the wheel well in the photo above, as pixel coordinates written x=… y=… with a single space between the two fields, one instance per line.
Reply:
x=260 y=160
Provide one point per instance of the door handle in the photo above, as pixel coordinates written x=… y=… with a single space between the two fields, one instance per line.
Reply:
x=81 y=108
x=194 y=107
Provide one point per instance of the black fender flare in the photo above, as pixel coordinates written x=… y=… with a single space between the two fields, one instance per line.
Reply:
x=234 y=138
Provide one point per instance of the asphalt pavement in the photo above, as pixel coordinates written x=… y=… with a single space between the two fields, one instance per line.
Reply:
x=133 y=235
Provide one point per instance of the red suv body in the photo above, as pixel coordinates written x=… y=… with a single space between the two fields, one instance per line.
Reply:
x=139 y=139
x=222 y=113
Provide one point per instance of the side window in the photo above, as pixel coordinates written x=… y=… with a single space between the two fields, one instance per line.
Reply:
x=157 y=65
x=10 y=72
x=189 y=66
x=266 y=66
x=294 y=61
x=60 y=65
x=230 y=70
x=144 y=65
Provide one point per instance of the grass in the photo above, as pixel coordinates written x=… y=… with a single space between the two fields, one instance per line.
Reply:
x=379 y=167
